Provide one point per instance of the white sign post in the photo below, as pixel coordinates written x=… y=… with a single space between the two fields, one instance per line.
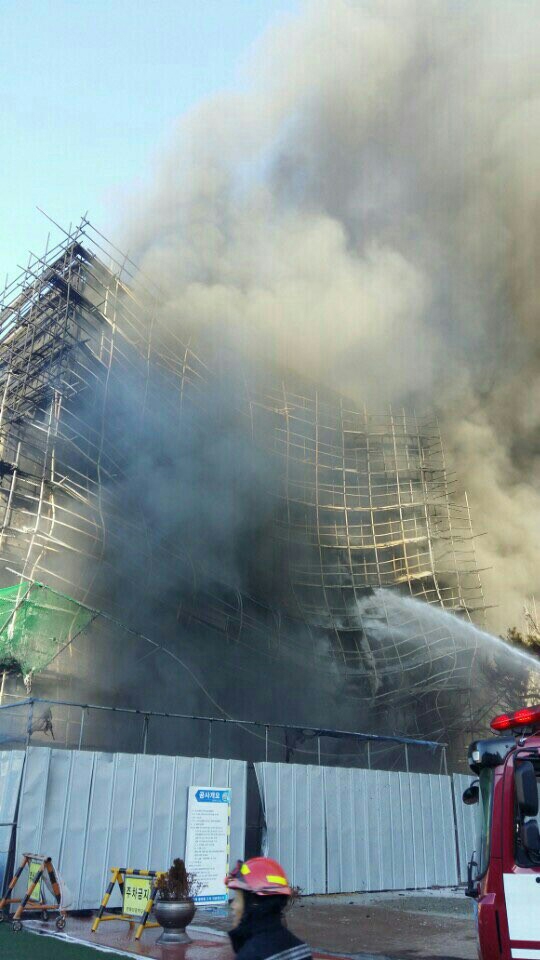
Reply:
x=207 y=841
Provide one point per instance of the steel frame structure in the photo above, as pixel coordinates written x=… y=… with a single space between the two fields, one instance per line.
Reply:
x=364 y=502
x=70 y=328
x=371 y=496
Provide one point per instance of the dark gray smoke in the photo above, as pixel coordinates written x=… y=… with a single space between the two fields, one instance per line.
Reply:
x=367 y=213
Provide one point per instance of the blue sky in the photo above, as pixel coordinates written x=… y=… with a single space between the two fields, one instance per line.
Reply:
x=90 y=90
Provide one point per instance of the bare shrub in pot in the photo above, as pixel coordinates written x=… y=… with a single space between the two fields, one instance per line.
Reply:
x=174 y=907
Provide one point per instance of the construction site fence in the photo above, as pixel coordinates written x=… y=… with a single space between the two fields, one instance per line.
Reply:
x=67 y=724
x=346 y=831
x=335 y=830
x=90 y=810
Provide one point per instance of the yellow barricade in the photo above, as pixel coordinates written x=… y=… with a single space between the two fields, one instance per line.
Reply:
x=33 y=898
x=138 y=889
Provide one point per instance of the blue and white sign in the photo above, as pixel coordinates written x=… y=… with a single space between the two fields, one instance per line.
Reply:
x=213 y=796
x=207 y=841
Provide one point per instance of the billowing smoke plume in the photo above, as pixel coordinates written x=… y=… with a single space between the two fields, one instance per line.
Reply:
x=366 y=210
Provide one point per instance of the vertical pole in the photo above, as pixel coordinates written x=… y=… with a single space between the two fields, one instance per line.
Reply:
x=444 y=761
x=30 y=722
x=266 y=743
x=369 y=754
x=209 y=739
x=319 y=749
x=83 y=715
x=145 y=732
x=4 y=672
x=407 y=757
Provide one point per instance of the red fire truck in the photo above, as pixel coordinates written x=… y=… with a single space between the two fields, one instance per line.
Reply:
x=504 y=870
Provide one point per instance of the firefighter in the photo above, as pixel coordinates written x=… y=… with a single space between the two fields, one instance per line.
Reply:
x=261 y=894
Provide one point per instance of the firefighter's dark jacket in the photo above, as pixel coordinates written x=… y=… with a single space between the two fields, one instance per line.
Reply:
x=261 y=936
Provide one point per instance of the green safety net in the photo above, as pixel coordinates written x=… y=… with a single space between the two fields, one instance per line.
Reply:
x=36 y=622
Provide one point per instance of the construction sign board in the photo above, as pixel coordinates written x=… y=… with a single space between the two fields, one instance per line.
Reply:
x=137 y=893
x=35 y=868
x=208 y=840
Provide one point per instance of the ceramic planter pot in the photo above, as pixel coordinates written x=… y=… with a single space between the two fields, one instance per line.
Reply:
x=174 y=916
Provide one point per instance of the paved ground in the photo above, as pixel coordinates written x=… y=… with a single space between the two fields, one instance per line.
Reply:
x=427 y=925
x=404 y=926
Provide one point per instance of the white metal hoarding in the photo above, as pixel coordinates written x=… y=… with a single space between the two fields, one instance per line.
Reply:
x=341 y=830
x=466 y=818
x=11 y=767
x=91 y=811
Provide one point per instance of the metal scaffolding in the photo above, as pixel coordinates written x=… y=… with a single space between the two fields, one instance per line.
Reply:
x=360 y=502
x=73 y=338
x=371 y=498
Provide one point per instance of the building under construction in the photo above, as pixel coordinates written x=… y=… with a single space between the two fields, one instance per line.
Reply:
x=252 y=524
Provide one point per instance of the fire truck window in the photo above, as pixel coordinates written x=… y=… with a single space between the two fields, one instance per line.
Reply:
x=522 y=857
x=483 y=828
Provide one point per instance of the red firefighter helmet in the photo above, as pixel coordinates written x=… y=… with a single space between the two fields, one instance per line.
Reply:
x=260 y=875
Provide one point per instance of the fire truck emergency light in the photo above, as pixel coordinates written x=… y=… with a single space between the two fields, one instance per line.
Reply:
x=527 y=717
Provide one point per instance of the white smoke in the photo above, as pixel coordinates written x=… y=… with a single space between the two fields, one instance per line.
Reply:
x=367 y=212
